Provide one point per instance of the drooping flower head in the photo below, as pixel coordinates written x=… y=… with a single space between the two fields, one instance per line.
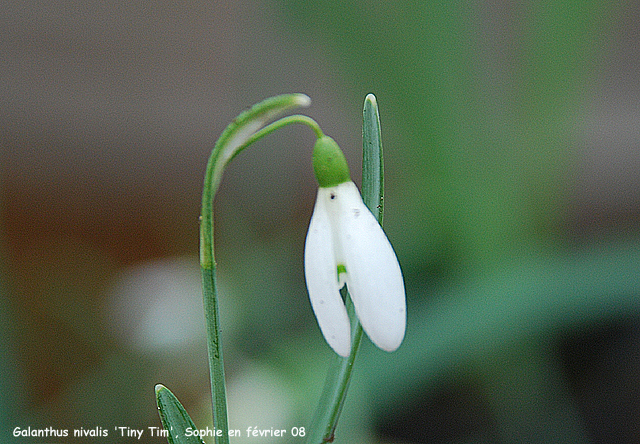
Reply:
x=346 y=245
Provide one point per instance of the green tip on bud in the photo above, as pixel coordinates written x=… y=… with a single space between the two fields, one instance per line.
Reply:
x=329 y=163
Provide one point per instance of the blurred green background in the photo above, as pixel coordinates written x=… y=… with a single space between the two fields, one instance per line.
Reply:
x=511 y=134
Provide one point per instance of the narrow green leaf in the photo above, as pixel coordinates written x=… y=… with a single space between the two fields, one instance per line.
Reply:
x=175 y=418
x=372 y=161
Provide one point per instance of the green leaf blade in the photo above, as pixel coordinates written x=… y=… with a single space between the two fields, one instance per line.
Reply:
x=175 y=418
x=372 y=160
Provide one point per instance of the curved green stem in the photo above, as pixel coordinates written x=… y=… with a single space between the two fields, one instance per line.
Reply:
x=281 y=123
x=245 y=129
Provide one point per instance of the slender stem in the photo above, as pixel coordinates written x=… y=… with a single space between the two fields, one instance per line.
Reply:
x=246 y=129
x=220 y=157
x=216 y=362
x=332 y=399
x=297 y=118
x=334 y=392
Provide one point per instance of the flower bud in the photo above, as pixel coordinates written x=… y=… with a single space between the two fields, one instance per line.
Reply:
x=329 y=163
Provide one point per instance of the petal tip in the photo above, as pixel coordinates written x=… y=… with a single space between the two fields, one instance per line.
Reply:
x=342 y=350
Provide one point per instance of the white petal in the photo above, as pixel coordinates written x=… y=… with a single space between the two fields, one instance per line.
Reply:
x=374 y=278
x=320 y=271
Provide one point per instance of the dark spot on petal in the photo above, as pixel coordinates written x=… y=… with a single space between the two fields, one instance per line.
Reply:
x=332 y=196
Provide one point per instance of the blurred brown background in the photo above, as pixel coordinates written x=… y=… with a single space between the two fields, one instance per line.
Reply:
x=511 y=140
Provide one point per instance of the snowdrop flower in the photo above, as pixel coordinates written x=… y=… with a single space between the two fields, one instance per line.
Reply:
x=346 y=245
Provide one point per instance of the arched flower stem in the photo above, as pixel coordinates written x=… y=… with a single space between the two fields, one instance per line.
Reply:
x=247 y=128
